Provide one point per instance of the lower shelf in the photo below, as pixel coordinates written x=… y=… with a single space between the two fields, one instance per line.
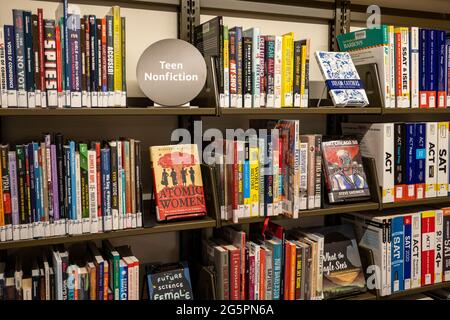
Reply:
x=335 y=209
x=427 y=201
x=152 y=227
x=411 y=292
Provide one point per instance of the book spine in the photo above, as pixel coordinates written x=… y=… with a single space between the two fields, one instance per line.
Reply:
x=117 y=36
x=104 y=64
x=432 y=68
x=93 y=59
x=234 y=274
x=447 y=82
x=247 y=67
x=239 y=66
x=92 y=187
x=262 y=274
x=442 y=169
x=20 y=58
x=68 y=188
x=50 y=66
x=96 y=146
x=73 y=186
x=87 y=61
x=414 y=68
x=402 y=67
x=423 y=100
x=438 y=258
x=84 y=179
x=11 y=74
x=410 y=129
x=106 y=188
x=262 y=160
x=262 y=72
x=318 y=176
x=416 y=248
x=298 y=273
x=3 y=87
x=127 y=166
x=441 y=72
x=397 y=258
x=21 y=177
x=399 y=154
x=431 y=160
x=233 y=68
x=139 y=204
x=390 y=96
x=114 y=186
x=33 y=193
x=420 y=160
x=269 y=66
x=12 y=164
x=407 y=226
x=110 y=59
x=133 y=181
x=123 y=100
x=78 y=196
x=446 y=244
x=287 y=268
x=60 y=167
x=6 y=186
x=99 y=63
x=254 y=178
x=277 y=71
x=256 y=89
x=54 y=182
x=305 y=74
x=59 y=67
x=287 y=69
x=428 y=247
x=226 y=67
x=29 y=59
x=268 y=177
x=251 y=282
x=297 y=73
x=83 y=54
x=35 y=52
x=123 y=281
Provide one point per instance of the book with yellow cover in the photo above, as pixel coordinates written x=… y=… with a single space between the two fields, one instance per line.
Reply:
x=287 y=70
x=117 y=45
x=254 y=178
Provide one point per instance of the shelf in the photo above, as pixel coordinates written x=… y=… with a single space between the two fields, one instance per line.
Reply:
x=421 y=202
x=297 y=111
x=154 y=227
x=361 y=296
x=129 y=111
x=421 y=111
x=411 y=292
x=335 y=209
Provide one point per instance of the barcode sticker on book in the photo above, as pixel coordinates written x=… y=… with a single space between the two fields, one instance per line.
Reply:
x=2 y=234
x=396 y=285
x=428 y=279
x=411 y=191
x=399 y=192
x=420 y=193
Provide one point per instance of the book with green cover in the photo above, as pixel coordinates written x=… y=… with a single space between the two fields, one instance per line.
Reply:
x=363 y=38
x=114 y=261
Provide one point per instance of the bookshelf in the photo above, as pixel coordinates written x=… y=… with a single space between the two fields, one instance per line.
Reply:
x=335 y=14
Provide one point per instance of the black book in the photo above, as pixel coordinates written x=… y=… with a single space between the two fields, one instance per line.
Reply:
x=247 y=43
x=21 y=188
x=60 y=165
x=36 y=46
x=208 y=38
x=297 y=72
x=93 y=58
x=29 y=54
x=4 y=149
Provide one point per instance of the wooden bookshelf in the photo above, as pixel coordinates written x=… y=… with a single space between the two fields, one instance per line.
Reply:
x=129 y=111
x=414 y=291
x=153 y=228
x=418 y=111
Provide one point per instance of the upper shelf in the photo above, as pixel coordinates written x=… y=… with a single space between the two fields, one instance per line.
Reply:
x=296 y=111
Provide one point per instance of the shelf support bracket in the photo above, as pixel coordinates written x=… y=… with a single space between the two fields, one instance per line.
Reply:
x=189 y=17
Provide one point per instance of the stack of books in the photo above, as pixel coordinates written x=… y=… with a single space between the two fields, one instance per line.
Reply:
x=69 y=61
x=76 y=273
x=53 y=188
x=413 y=63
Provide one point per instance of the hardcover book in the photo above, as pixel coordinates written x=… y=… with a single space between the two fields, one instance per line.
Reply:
x=169 y=282
x=342 y=79
x=178 y=182
x=344 y=173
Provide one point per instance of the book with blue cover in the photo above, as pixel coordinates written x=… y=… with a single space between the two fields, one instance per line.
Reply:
x=397 y=254
x=342 y=79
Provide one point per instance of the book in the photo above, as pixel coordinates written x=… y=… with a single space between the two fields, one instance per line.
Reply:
x=177 y=182
x=344 y=172
x=342 y=79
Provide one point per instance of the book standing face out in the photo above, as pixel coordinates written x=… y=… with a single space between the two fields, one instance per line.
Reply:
x=178 y=182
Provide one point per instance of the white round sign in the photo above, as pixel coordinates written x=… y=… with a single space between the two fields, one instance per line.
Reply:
x=171 y=72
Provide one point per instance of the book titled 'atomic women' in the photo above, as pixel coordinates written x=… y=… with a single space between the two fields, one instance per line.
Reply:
x=178 y=182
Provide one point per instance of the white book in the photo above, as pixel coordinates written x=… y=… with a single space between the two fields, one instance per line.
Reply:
x=377 y=141
x=57 y=266
x=414 y=56
x=92 y=187
x=262 y=97
x=442 y=153
x=277 y=208
x=254 y=33
x=3 y=90
x=403 y=98
x=262 y=152
x=120 y=184
x=255 y=249
x=78 y=224
x=319 y=239
x=438 y=261
x=277 y=71
x=416 y=250
x=431 y=159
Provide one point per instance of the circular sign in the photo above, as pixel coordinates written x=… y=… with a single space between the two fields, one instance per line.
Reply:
x=171 y=72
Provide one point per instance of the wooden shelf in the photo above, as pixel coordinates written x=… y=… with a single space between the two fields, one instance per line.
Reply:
x=421 y=202
x=297 y=111
x=153 y=227
x=129 y=111
x=411 y=292
x=421 y=111
x=335 y=209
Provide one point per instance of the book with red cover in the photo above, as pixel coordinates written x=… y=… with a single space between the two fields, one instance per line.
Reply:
x=234 y=255
x=428 y=247
x=178 y=182
x=262 y=274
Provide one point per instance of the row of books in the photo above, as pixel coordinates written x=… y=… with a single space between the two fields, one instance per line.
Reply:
x=53 y=188
x=69 y=61
x=255 y=70
x=274 y=170
x=413 y=63
x=295 y=264
x=410 y=248
x=76 y=273
x=411 y=158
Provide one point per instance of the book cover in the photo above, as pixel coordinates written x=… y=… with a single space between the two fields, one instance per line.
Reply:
x=178 y=182
x=287 y=69
x=402 y=69
x=169 y=282
x=344 y=173
x=428 y=247
x=397 y=258
x=342 y=79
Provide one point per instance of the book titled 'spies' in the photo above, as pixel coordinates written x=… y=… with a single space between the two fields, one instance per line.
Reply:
x=342 y=79
x=178 y=182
